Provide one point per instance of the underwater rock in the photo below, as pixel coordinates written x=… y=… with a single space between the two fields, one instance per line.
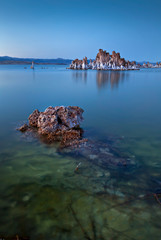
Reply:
x=102 y=154
x=57 y=124
x=26 y=198
x=99 y=174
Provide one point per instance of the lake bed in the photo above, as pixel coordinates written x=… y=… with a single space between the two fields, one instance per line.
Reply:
x=42 y=197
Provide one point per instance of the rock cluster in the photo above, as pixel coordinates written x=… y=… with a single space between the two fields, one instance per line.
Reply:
x=57 y=124
x=150 y=65
x=80 y=64
x=104 y=61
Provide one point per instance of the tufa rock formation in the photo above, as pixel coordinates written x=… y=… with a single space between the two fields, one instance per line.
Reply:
x=62 y=124
x=57 y=124
x=105 y=61
x=150 y=65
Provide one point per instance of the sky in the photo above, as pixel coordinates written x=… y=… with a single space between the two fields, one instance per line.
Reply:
x=77 y=28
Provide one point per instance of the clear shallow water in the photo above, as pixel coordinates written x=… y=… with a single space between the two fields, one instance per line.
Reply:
x=41 y=196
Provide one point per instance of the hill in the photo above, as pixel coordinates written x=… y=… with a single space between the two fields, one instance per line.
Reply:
x=15 y=60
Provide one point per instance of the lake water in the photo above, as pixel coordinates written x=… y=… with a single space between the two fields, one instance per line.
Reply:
x=41 y=195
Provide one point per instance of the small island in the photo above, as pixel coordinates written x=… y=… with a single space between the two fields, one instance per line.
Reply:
x=104 y=61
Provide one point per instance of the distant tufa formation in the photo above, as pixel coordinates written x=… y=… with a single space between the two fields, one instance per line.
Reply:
x=150 y=65
x=105 y=61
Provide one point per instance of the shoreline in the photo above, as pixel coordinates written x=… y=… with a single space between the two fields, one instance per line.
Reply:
x=29 y=63
x=104 y=69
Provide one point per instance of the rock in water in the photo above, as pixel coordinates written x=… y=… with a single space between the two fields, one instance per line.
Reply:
x=33 y=118
x=104 y=61
x=63 y=124
x=23 y=128
x=57 y=124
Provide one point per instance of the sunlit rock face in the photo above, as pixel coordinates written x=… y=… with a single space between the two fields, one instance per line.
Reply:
x=104 y=61
x=85 y=63
x=76 y=64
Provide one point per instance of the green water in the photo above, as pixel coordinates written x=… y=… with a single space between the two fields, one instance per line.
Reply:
x=41 y=195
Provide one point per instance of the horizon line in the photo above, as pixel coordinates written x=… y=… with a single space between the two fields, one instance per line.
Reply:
x=68 y=58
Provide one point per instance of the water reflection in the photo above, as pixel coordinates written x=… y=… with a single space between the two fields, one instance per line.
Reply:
x=111 y=78
x=80 y=76
x=104 y=79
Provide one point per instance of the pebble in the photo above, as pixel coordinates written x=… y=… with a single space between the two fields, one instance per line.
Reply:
x=99 y=174
x=13 y=204
x=26 y=198
x=107 y=174
x=104 y=150
x=92 y=157
x=119 y=194
x=141 y=195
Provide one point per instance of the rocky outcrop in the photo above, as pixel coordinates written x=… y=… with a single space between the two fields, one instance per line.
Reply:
x=104 y=61
x=23 y=128
x=80 y=64
x=84 y=63
x=151 y=65
x=33 y=118
x=57 y=124
x=62 y=124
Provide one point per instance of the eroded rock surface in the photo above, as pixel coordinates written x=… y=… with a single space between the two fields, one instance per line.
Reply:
x=57 y=124
x=105 y=61
x=24 y=128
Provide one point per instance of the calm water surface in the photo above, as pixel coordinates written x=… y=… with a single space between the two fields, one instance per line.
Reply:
x=41 y=195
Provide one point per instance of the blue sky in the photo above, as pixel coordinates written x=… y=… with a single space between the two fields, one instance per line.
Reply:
x=75 y=28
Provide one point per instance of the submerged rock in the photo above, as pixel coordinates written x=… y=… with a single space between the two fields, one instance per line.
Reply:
x=57 y=124
x=102 y=154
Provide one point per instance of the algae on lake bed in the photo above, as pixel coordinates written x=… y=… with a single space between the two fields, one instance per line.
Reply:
x=43 y=197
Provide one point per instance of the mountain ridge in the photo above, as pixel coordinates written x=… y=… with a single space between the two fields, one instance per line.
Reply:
x=18 y=60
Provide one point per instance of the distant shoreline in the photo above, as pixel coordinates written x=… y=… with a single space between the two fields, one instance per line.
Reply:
x=29 y=63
